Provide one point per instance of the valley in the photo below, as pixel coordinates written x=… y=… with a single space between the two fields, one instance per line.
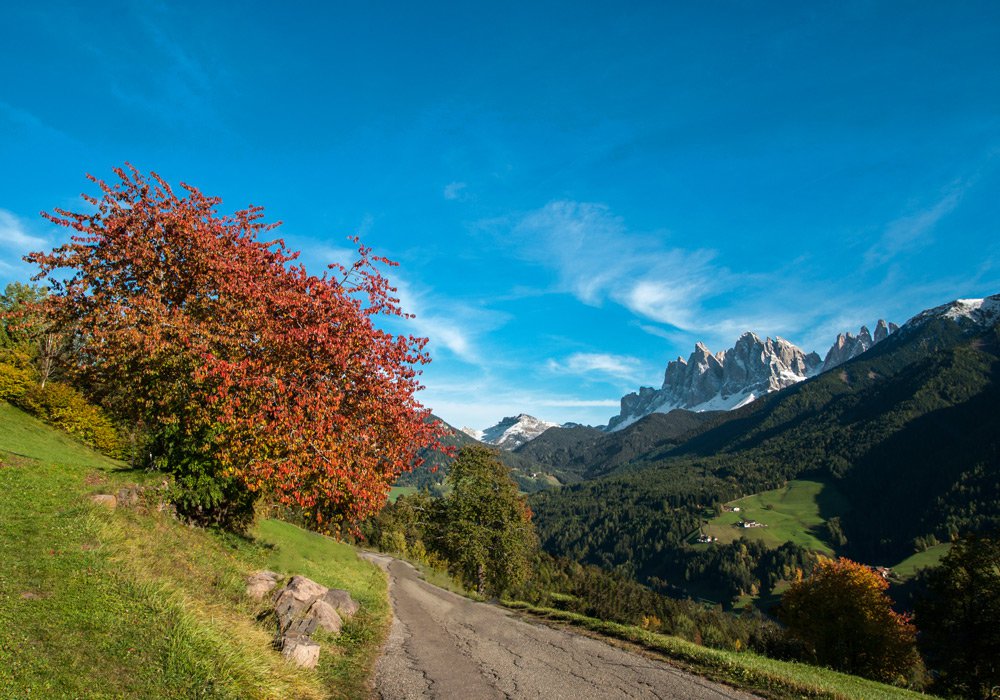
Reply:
x=889 y=452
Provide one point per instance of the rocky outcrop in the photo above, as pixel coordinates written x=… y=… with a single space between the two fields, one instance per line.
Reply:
x=720 y=381
x=848 y=346
x=301 y=607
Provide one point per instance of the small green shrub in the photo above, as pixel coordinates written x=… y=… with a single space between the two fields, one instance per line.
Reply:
x=67 y=409
x=201 y=491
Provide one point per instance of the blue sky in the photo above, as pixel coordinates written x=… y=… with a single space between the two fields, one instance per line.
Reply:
x=576 y=193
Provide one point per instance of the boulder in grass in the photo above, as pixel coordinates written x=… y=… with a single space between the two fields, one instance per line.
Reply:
x=128 y=497
x=304 y=589
x=324 y=616
x=301 y=607
x=261 y=583
x=301 y=651
x=342 y=602
x=105 y=499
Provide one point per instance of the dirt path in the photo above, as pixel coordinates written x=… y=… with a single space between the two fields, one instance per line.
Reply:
x=444 y=646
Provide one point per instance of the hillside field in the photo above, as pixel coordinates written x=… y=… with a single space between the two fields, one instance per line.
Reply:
x=796 y=512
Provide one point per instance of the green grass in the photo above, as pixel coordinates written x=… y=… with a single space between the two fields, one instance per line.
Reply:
x=133 y=604
x=926 y=559
x=397 y=491
x=746 y=670
x=795 y=513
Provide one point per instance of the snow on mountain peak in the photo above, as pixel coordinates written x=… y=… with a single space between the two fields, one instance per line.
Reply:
x=513 y=431
x=723 y=381
x=980 y=312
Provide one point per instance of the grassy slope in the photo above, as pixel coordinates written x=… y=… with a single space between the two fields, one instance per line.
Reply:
x=930 y=557
x=796 y=512
x=130 y=603
x=397 y=491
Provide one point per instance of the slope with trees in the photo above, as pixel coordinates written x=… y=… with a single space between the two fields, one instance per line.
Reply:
x=958 y=615
x=906 y=432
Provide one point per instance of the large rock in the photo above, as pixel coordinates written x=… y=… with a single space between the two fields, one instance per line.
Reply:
x=301 y=651
x=301 y=607
x=342 y=602
x=105 y=499
x=322 y=615
x=261 y=583
x=304 y=589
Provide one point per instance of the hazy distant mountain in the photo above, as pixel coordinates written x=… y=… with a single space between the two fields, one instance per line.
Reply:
x=848 y=346
x=511 y=432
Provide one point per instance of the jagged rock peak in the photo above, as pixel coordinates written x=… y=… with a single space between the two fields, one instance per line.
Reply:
x=848 y=346
x=513 y=431
x=724 y=380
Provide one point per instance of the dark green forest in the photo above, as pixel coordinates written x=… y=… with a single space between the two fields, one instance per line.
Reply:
x=908 y=431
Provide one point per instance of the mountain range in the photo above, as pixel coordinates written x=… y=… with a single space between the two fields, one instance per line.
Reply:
x=721 y=381
x=732 y=378
x=904 y=439
x=902 y=429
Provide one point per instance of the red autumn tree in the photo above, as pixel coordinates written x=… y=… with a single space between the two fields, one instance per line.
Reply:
x=842 y=614
x=250 y=375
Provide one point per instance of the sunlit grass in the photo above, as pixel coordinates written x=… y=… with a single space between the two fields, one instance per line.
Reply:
x=132 y=603
x=792 y=513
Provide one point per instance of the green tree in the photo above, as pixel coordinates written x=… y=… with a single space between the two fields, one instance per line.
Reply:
x=842 y=614
x=26 y=330
x=486 y=529
x=959 y=618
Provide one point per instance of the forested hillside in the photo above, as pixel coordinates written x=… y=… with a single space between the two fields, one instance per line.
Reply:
x=908 y=432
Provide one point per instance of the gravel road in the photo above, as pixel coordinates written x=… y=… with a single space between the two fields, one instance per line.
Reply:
x=444 y=646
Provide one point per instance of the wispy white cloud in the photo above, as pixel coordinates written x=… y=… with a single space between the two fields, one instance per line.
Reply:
x=14 y=234
x=912 y=230
x=454 y=326
x=584 y=363
x=596 y=258
x=581 y=403
x=454 y=190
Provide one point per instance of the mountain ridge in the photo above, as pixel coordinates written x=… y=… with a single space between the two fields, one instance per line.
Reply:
x=732 y=378
x=908 y=431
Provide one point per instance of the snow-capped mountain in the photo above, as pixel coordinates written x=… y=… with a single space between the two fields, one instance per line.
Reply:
x=723 y=381
x=848 y=346
x=977 y=312
x=512 y=432
x=754 y=367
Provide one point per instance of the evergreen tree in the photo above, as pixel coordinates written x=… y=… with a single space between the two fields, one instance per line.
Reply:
x=959 y=618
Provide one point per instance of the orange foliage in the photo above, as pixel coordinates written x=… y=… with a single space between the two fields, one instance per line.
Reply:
x=844 y=616
x=187 y=319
